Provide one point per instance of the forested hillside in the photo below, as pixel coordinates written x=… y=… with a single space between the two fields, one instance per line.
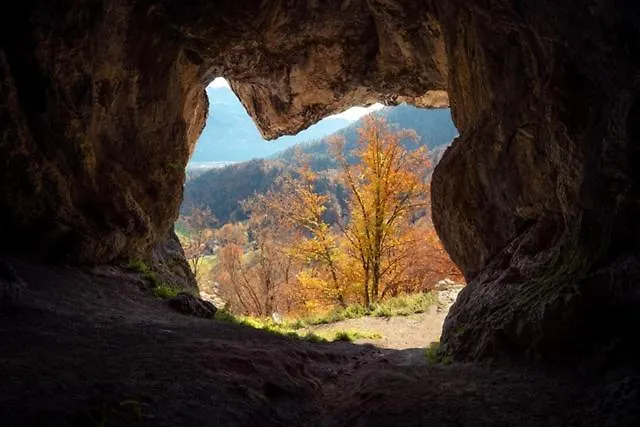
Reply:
x=222 y=190
x=434 y=128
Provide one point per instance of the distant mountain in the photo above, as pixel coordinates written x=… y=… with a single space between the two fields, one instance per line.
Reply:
x=231 y=135
x=434 y=128
x=223 y=189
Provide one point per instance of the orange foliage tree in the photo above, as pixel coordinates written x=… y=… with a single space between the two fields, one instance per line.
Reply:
x=198 y=226
x=254 y=277
x=388 y=189
x=294 y=205
x=289 y=255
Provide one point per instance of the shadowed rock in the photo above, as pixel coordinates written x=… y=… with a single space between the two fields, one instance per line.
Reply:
x=12 y=287
x=186 y=303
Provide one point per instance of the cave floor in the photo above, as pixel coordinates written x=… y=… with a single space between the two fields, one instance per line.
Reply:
x=91 y=348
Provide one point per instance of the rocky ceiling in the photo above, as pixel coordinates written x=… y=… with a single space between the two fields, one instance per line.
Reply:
x=537 y=201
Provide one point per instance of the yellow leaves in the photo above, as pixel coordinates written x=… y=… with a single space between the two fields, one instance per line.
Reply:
x=310 y=282
x=295 y=258
x=387 y=187
x=235 y=233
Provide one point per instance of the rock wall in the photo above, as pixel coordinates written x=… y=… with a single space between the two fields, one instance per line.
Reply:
x=104 y=100
x=537 y=200
x=98 y=114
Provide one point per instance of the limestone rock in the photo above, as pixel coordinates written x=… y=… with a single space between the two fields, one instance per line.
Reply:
x=185 y=303
x=102 y=104
x=170 y=266
x=540 y=193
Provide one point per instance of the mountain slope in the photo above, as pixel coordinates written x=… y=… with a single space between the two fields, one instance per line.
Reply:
x=434 y=128
x=223 y=189
x=231 y=135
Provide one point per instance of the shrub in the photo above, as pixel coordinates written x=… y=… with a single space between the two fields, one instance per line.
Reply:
x=141 y=267
x=165 y=291
x=352 y=335
x=435 y=355
x=404 y=305
x=224 y=315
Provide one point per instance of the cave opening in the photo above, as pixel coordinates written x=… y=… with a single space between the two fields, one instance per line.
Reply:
x=236 y=179
x=535 y=201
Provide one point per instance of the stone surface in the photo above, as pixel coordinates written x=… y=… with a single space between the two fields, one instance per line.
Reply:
x=102 y=103
x=12 y=287
x=170 y=266
x=537 y=201
x=185 y=303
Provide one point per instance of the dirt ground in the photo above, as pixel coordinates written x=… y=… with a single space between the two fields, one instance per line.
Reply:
x=93 y=348
x=411 y=334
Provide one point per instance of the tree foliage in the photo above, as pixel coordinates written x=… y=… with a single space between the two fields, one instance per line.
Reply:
x=388 y=189
x=302 y=250
x=198 y=231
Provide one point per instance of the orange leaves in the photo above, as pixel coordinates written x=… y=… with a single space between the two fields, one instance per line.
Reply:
x=292 y=255
x=388 y=188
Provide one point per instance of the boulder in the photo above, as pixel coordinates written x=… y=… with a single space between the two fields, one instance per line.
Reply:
x=186 y=303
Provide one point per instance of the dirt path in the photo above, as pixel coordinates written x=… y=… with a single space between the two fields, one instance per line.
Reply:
x=398 y=333
x=90 y=348
x=412 y=334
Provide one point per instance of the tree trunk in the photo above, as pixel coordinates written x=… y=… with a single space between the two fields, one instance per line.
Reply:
x=367 y=301
x=375 y=285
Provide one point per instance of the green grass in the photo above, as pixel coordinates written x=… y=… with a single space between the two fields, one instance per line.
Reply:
x=352 y=335
x=435 y=355
x=224 y=315
x=141 y=267
x=160 y=289
x=165 y=291
x=403 y=305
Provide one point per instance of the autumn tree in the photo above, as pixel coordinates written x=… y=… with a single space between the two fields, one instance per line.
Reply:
x=388 y=188
x=254 y=275
x=198 y=228
x=294 y=204
x=435 y=263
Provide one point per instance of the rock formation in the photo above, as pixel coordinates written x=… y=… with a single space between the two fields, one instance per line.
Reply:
x=536 y=201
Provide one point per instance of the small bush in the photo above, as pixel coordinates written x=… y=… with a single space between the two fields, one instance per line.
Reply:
x=435 y=355
x=138 y=266
x=311 y=337
x=141 y=267
x=352 y=335
x=355 y=311
x=165 y=291
x=404 y=305
x=342 y=336
x=224 y=315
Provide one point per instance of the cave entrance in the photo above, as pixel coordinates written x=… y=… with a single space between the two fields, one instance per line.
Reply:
x=269 y=226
